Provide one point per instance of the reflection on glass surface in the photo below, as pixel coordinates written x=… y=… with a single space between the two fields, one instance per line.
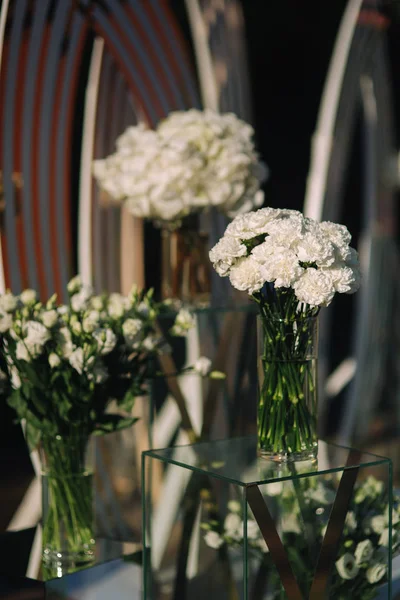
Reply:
x=246 y=527
x=114 y=570
x=236 y=460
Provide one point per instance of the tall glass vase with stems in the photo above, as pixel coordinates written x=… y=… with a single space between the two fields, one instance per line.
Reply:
x=186 y=268
x=67 y=498
x=287 y=370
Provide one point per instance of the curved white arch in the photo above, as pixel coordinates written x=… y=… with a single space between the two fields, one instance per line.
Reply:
x=323 y=136
x=85 y=184
x=208 y=84
x=3 y=18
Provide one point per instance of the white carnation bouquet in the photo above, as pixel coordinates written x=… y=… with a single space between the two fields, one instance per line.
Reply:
x=361 y=563
x=194 y=160
x=290 y=265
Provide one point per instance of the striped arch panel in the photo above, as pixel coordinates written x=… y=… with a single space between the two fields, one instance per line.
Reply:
x=145 y=74
x=43 y=64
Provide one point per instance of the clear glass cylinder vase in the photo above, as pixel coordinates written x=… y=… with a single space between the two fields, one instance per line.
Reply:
x=67 y=499
x=288 y=394
x=186 y=267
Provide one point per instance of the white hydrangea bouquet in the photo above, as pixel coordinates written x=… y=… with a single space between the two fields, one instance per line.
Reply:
x=291 y=266
x=65 y=364
x=194 y=160
x=361 y=563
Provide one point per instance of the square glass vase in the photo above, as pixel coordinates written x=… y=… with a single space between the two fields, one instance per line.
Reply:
x=226 y=523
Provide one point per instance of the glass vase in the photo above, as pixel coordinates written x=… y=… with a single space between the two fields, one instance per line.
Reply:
x=287 y=399
x=186 y=267
x=67 y=499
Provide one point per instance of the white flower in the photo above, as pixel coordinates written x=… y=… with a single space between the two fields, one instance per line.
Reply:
x=54 y=360
x=194 y=159
x=80 y=300
x=80 y=361
x=21 y=352
x=183 y=322
x=132 y=331
x=246 y=275
x=339 y=235
x=117 y=305
x=290 y=524
x=311 y=248
x=384 y=538
x=282 y=267
x=76 y=327
x=15 y=378
x=74 y=285
x=5 y=322
x=91 y=321
x=106 y=340
x=351 y=521
x=97 y=303
x=363 y=552
x=225 y=253
x=36 y=333
x=150 y=343
x=65 y=342
x=275 y=488
x=253 y=531
x=370 y=489
x=8 y=302
x=346 y=566
x=213 y=540
x=314 y=288
x=233 y=526
x=345 y=279
x=376 y=573
x=28 y=297
x=378 y=523
x=49 y=318
x=202 y=366
x=234 y=506
x=321 y=494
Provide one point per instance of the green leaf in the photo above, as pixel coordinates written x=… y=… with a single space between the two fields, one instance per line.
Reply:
x=109 y=423
x=32 y=435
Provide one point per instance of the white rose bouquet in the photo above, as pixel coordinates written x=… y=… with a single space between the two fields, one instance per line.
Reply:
x=361 y=562
x=64 y=364
x=193 y=160
x=291 y=266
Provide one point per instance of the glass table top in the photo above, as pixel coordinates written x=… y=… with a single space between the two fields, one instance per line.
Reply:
x=236 y=460
x=115 y=571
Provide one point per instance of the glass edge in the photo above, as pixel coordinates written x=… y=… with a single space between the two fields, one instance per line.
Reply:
x=363 y=452
x=315 y=473
x=176 y=463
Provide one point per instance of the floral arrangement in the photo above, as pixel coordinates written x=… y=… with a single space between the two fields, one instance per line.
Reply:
x=362 y=559
x=193 y=160
x=64 y=364
x=291 y=266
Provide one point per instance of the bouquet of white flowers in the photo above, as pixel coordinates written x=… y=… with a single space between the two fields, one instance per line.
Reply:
x=64 y=365
x=361 y=562
x=291 y=266
x=193 y=160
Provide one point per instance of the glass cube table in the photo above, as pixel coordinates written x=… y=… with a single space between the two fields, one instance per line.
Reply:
x=237 y=526
x=114 y=573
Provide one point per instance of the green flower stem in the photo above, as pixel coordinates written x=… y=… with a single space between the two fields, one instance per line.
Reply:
x=287 y=409
x=68 y=511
